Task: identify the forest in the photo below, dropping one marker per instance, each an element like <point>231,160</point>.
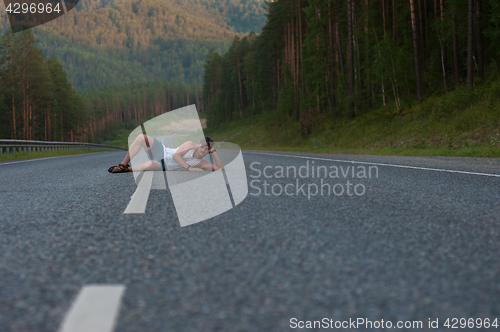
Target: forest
<point>38,102</point>
<point>319,59</point>
<point>110,42</point>
<point>109,65</point>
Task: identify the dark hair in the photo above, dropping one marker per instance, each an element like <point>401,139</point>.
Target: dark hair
<point>205,140</point>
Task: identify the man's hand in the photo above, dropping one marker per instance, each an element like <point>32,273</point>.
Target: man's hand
<point>194,169</point>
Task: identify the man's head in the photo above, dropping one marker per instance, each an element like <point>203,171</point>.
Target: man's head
<point>203,146</point>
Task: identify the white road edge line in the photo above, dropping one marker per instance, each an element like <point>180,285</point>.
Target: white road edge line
<point>37,159</point>
<point>378,164</point>
<point>139,199</point>
<point>95,309</point>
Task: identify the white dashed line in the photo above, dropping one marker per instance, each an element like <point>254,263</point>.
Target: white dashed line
<point>139,199</point>
<point>379,164</point>
<point>95,309</point>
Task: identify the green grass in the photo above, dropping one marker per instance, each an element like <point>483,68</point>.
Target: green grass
<point>22,155</point>
<point>120,138</point>
<point>459,123</point>
<point>466,152</point>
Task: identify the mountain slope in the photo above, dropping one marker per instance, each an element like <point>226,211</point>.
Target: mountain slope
<point>135,25</point>
<point>106,42</point>
<point>242,15</point>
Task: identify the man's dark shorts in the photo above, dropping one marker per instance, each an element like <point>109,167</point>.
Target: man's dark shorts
<point>156,151</point>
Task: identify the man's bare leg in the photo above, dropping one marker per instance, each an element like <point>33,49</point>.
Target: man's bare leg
<point>135,147</point>
<point>151,165</point>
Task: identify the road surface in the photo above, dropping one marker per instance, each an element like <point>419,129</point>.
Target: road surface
<point>421,242</point>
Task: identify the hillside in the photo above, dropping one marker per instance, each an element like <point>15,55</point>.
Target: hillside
<point>459,123</point>
<point>362,75</point>
<point>103,43</point>
<point>242,15</point>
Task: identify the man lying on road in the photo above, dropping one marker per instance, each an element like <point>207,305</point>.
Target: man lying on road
<point>188,156</point>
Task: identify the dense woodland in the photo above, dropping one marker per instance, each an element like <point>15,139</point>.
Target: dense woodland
<point>240,15</point>
<point>317,58</point>
<point>90,67</point>
<point>37,101</point>
<point>111,64</point>
<point>114,42</point>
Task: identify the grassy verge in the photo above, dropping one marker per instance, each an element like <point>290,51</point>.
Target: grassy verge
<point>471,152</point>
<point>22,155</point>
<point>459,123</point>
<point>120,138</point>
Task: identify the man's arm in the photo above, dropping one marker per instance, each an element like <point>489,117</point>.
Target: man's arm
<point>206,166</point>
<point>217,160</point>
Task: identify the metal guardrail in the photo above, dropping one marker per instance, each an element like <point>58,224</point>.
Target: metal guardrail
<point>10,146</point>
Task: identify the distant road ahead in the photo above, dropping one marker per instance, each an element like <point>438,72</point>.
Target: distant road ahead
<point>422,241</point>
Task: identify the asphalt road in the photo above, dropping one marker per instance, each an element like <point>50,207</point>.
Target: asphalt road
<point>416,244</point>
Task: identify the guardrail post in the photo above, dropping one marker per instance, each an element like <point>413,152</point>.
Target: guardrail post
<point>1,152</point>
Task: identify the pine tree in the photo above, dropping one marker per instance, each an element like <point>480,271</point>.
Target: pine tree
<point>9,61</point>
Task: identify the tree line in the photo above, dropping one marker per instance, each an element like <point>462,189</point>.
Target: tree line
<point>317,58</point>
<point>37,101</point>
<point>130,105</point>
